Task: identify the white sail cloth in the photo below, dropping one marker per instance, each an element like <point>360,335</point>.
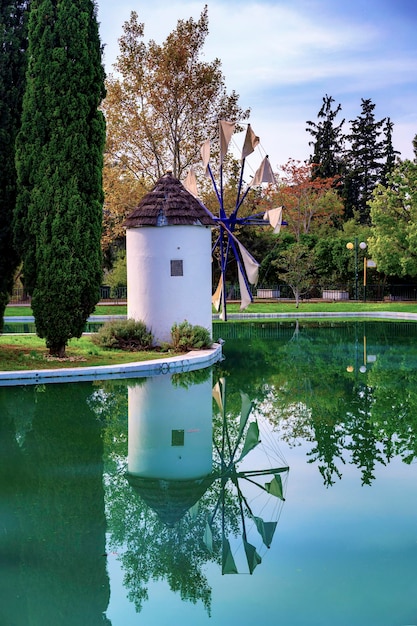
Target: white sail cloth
<point>274,217</point>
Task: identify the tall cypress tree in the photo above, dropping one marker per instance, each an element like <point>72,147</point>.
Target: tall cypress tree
<point>12,75</point>
<point>59,162</point>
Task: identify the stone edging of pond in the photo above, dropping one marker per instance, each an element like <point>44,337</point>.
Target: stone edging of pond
<point>196,359</point>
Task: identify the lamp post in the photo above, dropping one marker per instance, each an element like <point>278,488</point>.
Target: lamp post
<point>355,246</point>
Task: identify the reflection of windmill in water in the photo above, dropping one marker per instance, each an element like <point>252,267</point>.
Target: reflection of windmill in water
<point>258,490</point>
<point>170,444</point>
<point>229,218</point>
<point>171,466</point>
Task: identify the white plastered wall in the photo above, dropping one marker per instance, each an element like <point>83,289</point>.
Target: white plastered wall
<point>159,299</point>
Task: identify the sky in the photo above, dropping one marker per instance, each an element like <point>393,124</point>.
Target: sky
<point>283,56</point>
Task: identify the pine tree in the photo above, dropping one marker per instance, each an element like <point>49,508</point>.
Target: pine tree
<point>364,162</point>
<point>59,162</point>
<point>390,154</point>
<point>12,73</point>
<point>328,141</point>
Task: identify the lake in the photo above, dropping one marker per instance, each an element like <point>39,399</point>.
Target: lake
<point>279,487</point>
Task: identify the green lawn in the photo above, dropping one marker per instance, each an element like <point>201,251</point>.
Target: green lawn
<point>324,307</point>
<point>27,352</point>
<point>105,309</point>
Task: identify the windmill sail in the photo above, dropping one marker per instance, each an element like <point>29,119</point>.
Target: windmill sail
<point>190,183</point>
<point>245,294</point>
<point>205,156</point>
<point>228,562</point>
<point>251,265</point>
<point>218,394</point>
<point>250,143</point>
<point>226,131</point>
<point>216,298</point>
<point>265,529</point>
<point>264,174</point>
<point>252,556</point>
<point>245,411</point>
<point>274,217</point>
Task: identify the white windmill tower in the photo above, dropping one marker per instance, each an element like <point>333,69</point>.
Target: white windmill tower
<point>168,242</point>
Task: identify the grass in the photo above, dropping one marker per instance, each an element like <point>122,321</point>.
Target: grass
<point>28,352</point>
<point>101,309</point>
<point>263,307</point>
<point>324,307</point>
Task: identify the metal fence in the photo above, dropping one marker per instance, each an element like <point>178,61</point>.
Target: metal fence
<point>377,292</point>
<point>108,294</point>
<point>113,294</point>
<point>373,293</point>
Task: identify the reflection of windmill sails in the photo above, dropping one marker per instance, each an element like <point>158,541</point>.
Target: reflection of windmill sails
<point>226,242</point>
<point>234,462</point>
<point>171,467</point>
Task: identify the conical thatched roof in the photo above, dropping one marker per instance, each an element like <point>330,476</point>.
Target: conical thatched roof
<point>168,204</point>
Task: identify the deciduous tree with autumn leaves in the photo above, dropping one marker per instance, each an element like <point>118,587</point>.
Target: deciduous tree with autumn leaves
<point>312,206</point>
<point>162,103</point>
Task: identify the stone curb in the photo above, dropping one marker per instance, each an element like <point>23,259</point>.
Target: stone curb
<point>197,359</point>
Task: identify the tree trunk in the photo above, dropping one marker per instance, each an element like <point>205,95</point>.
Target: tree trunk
<point>58,350</point>
<point>297,298</point>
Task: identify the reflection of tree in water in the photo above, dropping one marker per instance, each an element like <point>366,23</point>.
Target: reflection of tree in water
<point>393,379</point>
<point>171,536</point>
<point>349,430</point>
<point>13,605</point>
<point>51,490</point>
<point>152,551</point>
<point>363,416</point>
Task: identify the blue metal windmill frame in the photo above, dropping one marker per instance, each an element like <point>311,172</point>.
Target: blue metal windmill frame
<point>226,240</point>
<point>227,225</point>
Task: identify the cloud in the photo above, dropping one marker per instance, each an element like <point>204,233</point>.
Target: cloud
<point>282,58</point>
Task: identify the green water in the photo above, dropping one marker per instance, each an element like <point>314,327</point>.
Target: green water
<point>131,502</point>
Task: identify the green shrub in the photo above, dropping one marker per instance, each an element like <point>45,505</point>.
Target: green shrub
<point>187,337</point>
<point>124,334</point>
